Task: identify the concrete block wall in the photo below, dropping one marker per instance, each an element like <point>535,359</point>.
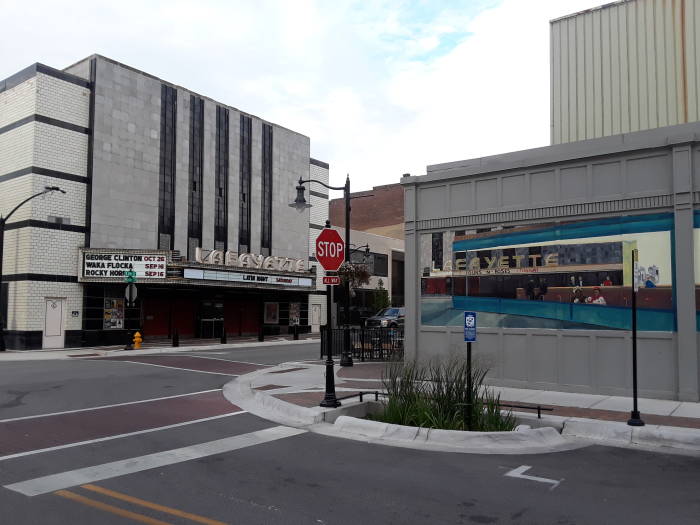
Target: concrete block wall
<point>318,213</point>
<point>126,158</point>
<point>290,162</point>
<point>127,166</point>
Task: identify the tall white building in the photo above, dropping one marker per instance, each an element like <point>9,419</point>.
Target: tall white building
<point>189,193</point>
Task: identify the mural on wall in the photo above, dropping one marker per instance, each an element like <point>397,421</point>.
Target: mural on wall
<point>575,275</point>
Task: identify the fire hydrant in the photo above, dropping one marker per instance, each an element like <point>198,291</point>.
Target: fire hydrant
<point>137,340</point>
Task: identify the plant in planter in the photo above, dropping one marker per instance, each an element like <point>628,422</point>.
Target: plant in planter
<point>356,274</point>
<point>434,395</point>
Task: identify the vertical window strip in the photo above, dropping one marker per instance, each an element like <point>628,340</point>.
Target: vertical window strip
<point>166,201</point>
<point>196,167</point>
<point>221,197</point>
<point>266,220</point>
<point>246,151</point>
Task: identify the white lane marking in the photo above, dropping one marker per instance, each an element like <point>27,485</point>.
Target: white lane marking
<point>117,436</point>
<point>227,360</point>
<point>71,478</point>
<point>100,407</point>
<point>176,368</point>
<point>520,474</point>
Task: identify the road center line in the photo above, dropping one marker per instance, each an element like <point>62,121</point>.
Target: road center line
<point>117,436</point>
<point>150,505</point>
<point>109,406</point>
<point>71,478</point>
<point>109,508</point>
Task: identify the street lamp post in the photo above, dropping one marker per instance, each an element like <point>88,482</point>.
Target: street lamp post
<point>300,204</point>
<point>3,221</point>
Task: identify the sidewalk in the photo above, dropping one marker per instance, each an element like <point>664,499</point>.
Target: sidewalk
<point>291,393</point>
<point>156,347</point>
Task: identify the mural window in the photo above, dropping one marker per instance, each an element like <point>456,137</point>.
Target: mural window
<point>575,275</point>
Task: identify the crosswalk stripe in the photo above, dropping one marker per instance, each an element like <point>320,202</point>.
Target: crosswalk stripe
<point>71,478</point>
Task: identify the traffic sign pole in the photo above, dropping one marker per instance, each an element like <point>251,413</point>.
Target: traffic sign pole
<point>469,337</point>
<point>327,236</point>
<point>635,419</point>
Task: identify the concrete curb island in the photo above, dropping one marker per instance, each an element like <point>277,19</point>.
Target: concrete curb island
<point>534,436</point>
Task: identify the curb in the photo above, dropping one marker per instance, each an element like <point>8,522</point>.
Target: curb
<point>38,355</point>
<point>240,392</point>
<point>525,441</point>
<point>336,422</point>
<point>623,434</point>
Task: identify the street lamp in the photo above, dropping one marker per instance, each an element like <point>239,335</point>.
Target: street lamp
<point>300,205</point>
<point>3,221</point>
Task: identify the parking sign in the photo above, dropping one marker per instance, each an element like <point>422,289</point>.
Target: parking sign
<point>469,327</point>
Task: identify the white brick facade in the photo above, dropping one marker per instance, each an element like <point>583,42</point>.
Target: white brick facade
<point>62,100</point>
<point>38,257</point>
<point>18,102</point>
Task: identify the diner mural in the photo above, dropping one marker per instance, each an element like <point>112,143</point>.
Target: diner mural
<point>575,275</point>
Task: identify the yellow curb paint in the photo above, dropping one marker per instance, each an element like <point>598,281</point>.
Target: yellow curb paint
<point>150,505</point>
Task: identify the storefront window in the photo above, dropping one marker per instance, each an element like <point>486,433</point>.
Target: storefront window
<point>575,275</point>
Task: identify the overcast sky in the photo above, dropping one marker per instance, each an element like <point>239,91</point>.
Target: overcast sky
<point>381,87</point>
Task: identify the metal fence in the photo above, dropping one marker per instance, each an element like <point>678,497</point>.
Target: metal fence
<point>366,344</point>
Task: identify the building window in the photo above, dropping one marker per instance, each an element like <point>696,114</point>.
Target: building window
<point>245,163</point>
<point>380,265</point>
<point>437,250</point>
<point>221,168</point>
<point>166,191</point>
<point>194,229</point>
<point>266,219</point>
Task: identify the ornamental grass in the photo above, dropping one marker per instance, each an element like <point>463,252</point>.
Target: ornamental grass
<point>435,395</point>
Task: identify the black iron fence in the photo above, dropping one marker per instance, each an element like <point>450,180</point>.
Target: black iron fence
<point>366,344</point>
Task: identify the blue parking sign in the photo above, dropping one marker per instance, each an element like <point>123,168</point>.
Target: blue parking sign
<point>469,327</point>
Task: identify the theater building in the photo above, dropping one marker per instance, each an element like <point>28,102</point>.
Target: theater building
<point>187,194</point>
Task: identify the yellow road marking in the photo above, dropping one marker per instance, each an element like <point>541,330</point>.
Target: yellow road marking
<point>150,505</point>
<point>109,508</point>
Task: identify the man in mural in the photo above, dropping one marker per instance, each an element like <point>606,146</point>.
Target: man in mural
<point>596,298</point>
<point>530,289</point>
<point>578,297</point>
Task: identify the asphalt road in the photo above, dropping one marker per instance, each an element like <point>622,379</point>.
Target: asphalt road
<point>107,465</point>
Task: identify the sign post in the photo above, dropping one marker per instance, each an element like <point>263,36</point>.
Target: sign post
<point>635,420</point>
<point>330,253</point>
<point>469,338</point>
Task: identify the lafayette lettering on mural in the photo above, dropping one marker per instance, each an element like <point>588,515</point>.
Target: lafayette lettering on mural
<point>115,265</point>
<point>248,260</point>
<point>506,262</point>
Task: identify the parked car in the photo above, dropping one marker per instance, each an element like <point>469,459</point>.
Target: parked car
<point>389,317</point>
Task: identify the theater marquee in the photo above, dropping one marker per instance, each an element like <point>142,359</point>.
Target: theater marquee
<point>103,265</point>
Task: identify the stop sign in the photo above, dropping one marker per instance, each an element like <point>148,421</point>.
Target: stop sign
<point>330,249</point>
